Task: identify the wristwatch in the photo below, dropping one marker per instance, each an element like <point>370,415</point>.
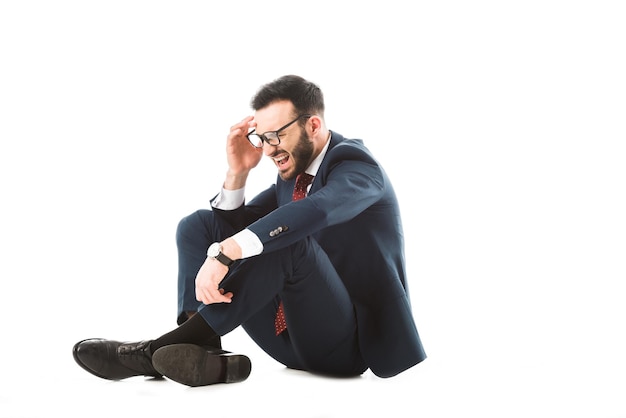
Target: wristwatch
<point>215,251</point>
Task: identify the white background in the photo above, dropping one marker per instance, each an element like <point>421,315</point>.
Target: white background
<point>500,123</point>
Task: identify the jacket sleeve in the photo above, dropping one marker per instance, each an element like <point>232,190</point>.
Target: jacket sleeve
<point>349,181</point>
<point>258,207</point>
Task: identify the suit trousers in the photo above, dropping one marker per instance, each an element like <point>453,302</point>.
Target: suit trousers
<point>322,332</point>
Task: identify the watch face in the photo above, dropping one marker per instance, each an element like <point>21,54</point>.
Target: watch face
<point>214,250</point>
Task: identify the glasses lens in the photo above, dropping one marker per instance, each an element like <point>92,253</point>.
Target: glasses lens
<point>255,140</point>
<point>272,138</point>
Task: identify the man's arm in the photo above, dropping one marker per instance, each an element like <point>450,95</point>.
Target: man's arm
<point>242,157</point>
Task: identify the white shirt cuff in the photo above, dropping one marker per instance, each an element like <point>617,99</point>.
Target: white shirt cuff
<point>249,243</point>
<point>229,199</point>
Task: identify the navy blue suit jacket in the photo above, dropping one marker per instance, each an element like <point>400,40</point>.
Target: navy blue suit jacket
<point>352,212</point>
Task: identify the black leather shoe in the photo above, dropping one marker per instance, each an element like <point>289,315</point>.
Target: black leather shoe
<point>115,360</point>
<point>193,365</point>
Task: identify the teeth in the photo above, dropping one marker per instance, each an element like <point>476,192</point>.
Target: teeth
<point>279,159</point>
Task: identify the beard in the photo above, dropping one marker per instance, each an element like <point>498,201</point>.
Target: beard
<point>302,155</point>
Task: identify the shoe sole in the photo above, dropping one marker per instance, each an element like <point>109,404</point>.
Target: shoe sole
<point>194,366</point>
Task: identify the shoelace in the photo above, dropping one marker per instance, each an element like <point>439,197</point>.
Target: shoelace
<point>136,356</point>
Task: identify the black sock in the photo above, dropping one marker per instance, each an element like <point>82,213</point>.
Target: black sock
<point>193,331</point>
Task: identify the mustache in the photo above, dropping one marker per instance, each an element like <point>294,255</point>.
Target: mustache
<point>277,152</point>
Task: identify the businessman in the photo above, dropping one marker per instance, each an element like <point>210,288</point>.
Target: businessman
<point>313,268</point>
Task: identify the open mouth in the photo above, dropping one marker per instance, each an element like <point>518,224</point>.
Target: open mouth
<point>281,160</point>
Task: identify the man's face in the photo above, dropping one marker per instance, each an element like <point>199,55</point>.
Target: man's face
<point>295,151</point>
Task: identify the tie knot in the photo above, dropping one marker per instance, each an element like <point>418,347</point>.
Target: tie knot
<point>304,178</point>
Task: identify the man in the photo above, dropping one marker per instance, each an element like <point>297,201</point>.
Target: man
<point>314,272</point>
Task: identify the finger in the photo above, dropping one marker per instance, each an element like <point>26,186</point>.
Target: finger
<point>209,296</point>
<point>218,296</point>
<point>205,295</point>
<point>227,296</point>
<point>201,296</point>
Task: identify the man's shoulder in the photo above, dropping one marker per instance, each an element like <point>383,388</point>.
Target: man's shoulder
<point>347,148</point>
<point>337,139</point>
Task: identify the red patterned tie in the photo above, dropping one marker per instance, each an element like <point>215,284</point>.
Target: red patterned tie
<point>299,192</point>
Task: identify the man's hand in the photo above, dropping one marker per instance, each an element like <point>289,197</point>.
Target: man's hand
<point>208,280</point>
<point>240,154</point>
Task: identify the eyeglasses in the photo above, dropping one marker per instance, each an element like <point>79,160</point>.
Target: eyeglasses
<point>271,137</point>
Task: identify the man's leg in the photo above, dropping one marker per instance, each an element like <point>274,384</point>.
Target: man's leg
<point>321,334</point>
<point>194,234</point>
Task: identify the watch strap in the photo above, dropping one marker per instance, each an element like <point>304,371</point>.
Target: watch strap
<point>223,259</point>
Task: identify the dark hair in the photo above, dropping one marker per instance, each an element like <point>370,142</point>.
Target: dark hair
<point>307,98</point>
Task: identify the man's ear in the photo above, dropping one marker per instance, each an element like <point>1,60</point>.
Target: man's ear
<point>316,124</point>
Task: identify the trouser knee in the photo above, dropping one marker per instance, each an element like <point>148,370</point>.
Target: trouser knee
<point>191,226</point>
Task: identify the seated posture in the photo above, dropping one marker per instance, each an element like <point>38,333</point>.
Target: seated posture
<point>312,268</point>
